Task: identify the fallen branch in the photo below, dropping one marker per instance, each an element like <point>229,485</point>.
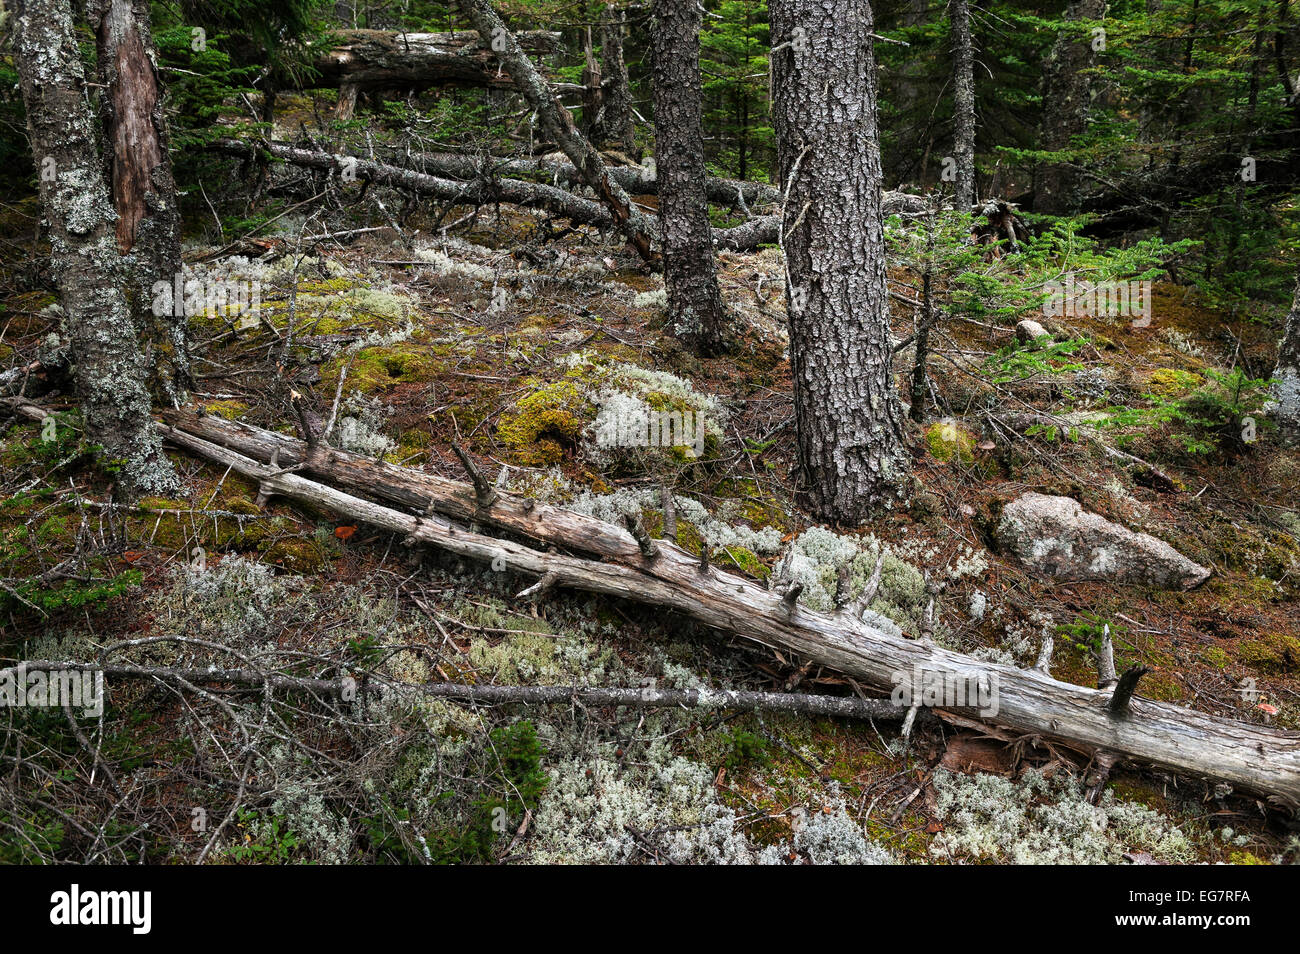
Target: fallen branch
<point>343,688</point>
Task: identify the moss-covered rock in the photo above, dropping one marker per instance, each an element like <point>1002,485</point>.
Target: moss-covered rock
<point>547,425</point>
<point>948,441</point>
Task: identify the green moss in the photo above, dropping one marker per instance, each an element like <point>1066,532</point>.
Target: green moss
<point>382,367</point>
<point>1274,653</point>
<point>162,503</point>
<point>1140,792</point>
<point>299,554</point>
<point>749,562</point>
<point>1162,687</point>
<point>1245,858</point>
<point>1215,656</point>
<point>948,441</point>
<point>547,424</point>
<point>688,537</point>
<point>230,410</point>
<point>1173,382</point>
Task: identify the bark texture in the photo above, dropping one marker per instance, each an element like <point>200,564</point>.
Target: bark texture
<point>695,310</point>
<point>1287,375</point>
<point>619,129</point>
<point>112,370</point>
<point>143,188</point>
<point>852,459</point>
<point>1067,91</point>
<point>963,97</point>
<point>558,126</point>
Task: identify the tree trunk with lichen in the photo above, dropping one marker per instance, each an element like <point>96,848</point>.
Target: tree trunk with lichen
<point>963,98</point>
<point>1287,376</point>
<point>112,371</point>
<point>695,310</point>
<point>1067,91</point>
<point>853,464</point>
<point>143,188</point>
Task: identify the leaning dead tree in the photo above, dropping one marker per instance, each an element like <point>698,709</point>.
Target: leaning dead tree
<point>587,554</point>
<point>558,126</point>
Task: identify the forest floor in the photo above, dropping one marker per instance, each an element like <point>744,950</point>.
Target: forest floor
<point>505,344</point>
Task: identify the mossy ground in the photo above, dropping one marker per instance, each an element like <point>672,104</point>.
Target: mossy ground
<point>451,368</point>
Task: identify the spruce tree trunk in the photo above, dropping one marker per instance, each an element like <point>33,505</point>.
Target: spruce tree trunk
<point>1067,90</point>
<point>619,129</point>
<point>963,85</point>
<point>1287,389</point>
<point>852,459</point>
<point>695,310</point>
<point>142,186</point>
<point>112,370</point>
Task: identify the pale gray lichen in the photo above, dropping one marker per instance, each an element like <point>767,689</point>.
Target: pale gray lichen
<point>1038,820</point>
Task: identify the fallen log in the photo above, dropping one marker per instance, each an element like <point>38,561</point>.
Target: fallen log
<point>1256,758</point>
<point>369,60</point>
<point>636,180</point>
<point>479,191</point>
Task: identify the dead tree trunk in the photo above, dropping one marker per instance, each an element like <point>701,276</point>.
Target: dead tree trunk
<point>1067,90</point>
<point>963,98</point>
<point>143,188</point>
<point>593,97</point>
<point>695,310</point>
<point>852,460</point>
<point>1287,375</point>
<point>557,124</point>
<point>619,129</point>
<point>1257,758</point>
<point>112,369</point>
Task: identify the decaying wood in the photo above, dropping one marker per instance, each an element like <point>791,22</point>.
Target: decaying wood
<point>486,189</point>
<point>1257,758</point>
